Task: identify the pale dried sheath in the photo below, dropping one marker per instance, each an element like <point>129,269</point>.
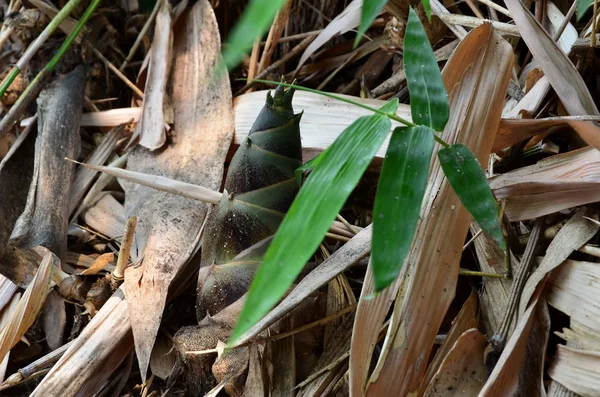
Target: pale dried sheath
<point>150,128</point>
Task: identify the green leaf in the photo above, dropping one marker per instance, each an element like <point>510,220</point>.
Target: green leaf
<point>470,184</point>
<point>398,201</point>
<point>254,22</point>
<point>370,10</point>
<point>427,8</point>
<point>582,7</point>
<point>428,98</point>
<point>320,199</point>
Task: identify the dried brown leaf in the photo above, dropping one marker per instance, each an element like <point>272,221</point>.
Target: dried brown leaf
<point>29,306</point>
<point>84,176</point>
<point>5,316</point>
<point>561,73</point>
<point>99,264</point>
<point>254,381</point>
<point>531,375</point>
<point>467,318</point>
<point>504,378</point>
<point>495,296</point>
<point>162,359</point>
<point>575,233</point>
<point>169,226</point>
<point>463,372</point>
<point>512,131</point>
<point>107,216</point>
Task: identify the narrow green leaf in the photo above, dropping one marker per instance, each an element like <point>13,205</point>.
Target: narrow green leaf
<point>582,7</point>
<point>468,181</point>
<point>310,215</point>
<point>428,98</point>
<point>427,8</point>
<point>398,201</point>
<point>370,10</point>
<point>254,22</point>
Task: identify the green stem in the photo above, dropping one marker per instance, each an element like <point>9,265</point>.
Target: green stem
<point>32,49</point>
<point>9,79</point>
<point>63,48</point>
<point>67,43</point>
<point>391,116</point>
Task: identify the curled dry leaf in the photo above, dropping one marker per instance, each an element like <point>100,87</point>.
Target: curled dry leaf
<point>7,291</point>
<point>575,233</point>
<point>553,184</point>
<point>512,131</point>
<point>495,296</point>
<point>463,372</point>
<point>152,121</point>
<point>577,370</point>
<point>169,226</point>
<point>162,359</point>
<point>476,77</point>
<point>531,102</point>
<point>531,374</point>
<point>85,176</point>
<point>29,306</point>
<point>106,216</point>
<point>5,316</point>
<point>505,377</point>
<point>99,264</point>
<point>346,20</point>
<point>467,318</point>
<point>105,118</point>
<point>570,284</point>
<point>561,73</point>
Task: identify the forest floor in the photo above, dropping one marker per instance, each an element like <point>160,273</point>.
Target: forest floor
<point>106,288</point>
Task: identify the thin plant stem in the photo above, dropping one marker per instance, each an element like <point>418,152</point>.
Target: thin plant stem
<point>391,116</point>
<point>32,49</point>
<point>140,37</point>
<point>27,96</point>
<point>67,43</point>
